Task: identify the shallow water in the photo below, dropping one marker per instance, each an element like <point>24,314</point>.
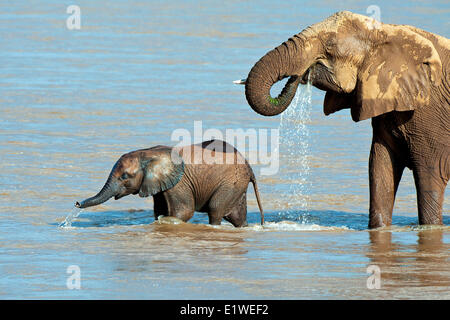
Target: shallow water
<point>71,102</point>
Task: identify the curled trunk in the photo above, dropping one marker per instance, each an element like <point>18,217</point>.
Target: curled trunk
<point>276,65</point>
<point>291,59</point>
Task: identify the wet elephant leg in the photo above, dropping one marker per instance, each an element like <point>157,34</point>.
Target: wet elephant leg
<point>159,205</point>
<point>180,203</point>
<point>385,173</point>
<point>430,195</point>
<point>184,214</point>
<point>215,217</point>
<point>237,216</point>
<point>222,202</point>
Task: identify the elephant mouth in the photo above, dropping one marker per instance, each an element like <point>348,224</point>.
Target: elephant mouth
<point>322,77</point>
<point>126,193</point>
<point>117,197</point>
<point>305,76</point>
<point>312,72</point>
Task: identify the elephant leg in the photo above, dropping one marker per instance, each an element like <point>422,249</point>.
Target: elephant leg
<point>159,205</point>
<point>180,203</point>
<point>184,214</point>
<point>237,216</point>
<point>215,217</point>
<point>223,200</point>
<point>430,195</point>
<point>385,173</point>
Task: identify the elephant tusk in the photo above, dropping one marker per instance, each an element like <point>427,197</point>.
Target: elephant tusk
<point>242,81</point>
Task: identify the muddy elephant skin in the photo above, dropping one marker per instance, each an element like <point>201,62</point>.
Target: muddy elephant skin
<point>209,177</point>
<point>397,75</point>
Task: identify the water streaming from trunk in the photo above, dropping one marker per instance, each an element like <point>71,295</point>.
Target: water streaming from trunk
<point>73,214</point>
<point>294,152</point>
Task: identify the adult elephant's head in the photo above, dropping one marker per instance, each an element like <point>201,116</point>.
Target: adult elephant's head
<point>146,171</point>
<point>362,64</point>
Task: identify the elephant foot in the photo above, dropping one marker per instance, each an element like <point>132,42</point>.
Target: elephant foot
<point>376,220</point>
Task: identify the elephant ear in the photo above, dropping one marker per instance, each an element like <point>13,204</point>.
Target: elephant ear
<point>397,75</point>
<point>162,169</point>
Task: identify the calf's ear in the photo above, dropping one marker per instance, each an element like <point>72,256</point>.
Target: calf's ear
<point>162,169</point>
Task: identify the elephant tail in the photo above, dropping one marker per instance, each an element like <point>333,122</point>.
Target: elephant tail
<point>258,199</point>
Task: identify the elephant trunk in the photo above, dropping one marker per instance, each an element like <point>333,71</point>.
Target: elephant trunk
<point>109,190</point>
<point>276,65</point>
<point>291,59</point>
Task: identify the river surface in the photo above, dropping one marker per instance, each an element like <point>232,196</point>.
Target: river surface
<point>73,101</point>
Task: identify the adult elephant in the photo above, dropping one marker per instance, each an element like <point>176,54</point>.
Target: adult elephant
<point>397,75</point>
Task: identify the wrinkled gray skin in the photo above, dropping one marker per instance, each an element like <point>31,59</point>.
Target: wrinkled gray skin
<point>397,75</point>
<point>181,184</point>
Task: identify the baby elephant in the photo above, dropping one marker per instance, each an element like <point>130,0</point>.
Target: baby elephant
<point>210,177</point>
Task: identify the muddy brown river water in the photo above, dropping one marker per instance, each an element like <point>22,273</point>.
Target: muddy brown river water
<point>73,101</point>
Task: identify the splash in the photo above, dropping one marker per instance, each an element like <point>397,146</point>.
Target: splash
<point>294,151</point>
<point>293,226</point>
<point>169,220</point>
<point>67,223</point>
